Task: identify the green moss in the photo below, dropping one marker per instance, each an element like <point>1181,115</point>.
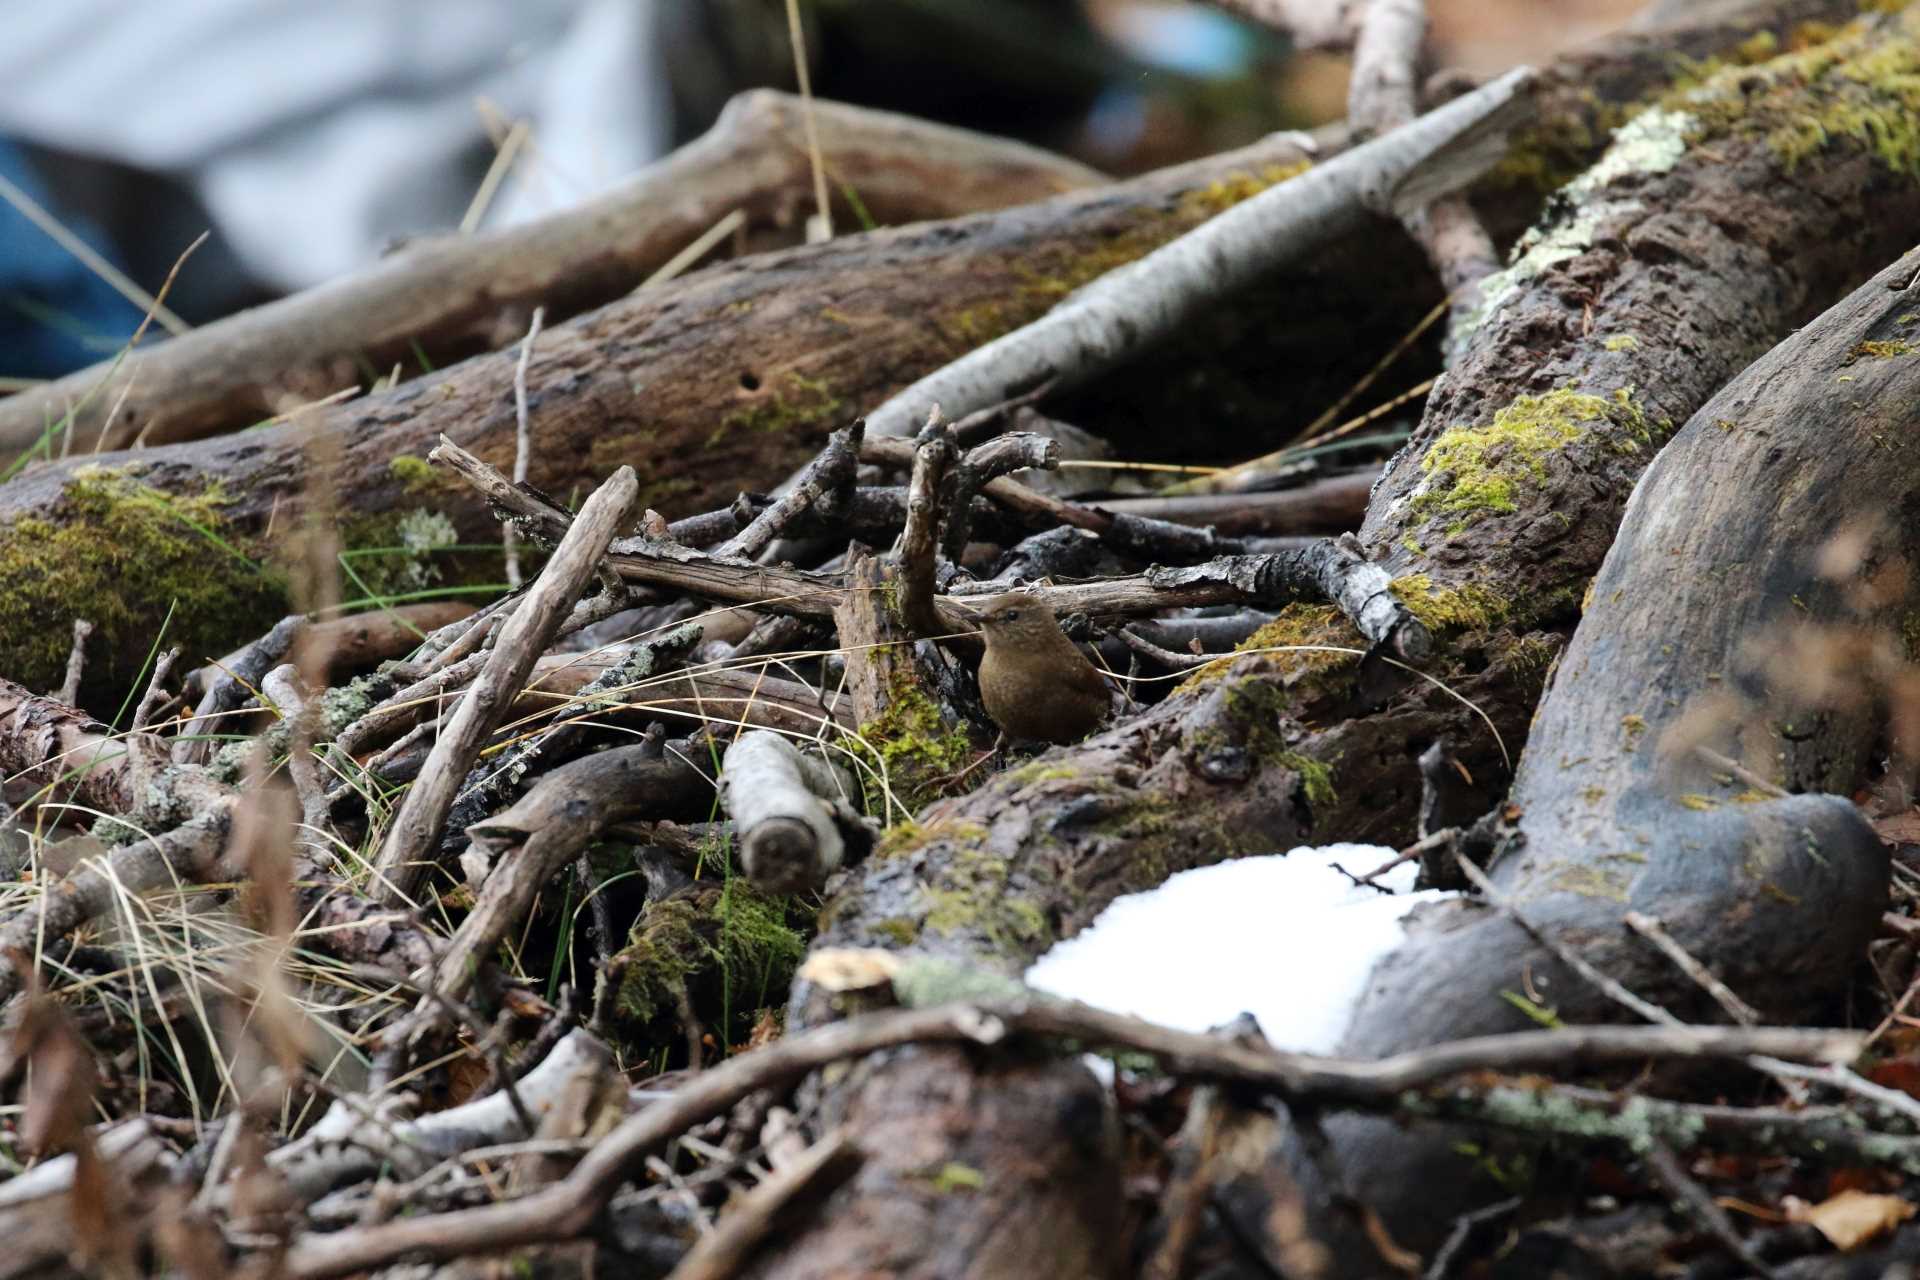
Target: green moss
<point>1856,87</point>
<point>727,946</point>
<point>1316,779</point>
<point>1478,471</point>
<point>1885,350</point>
<point>1310,628</point>
<point>910,834</point>
<point>1035,771</point>
<point>899,930</point>
<point>415,474</point>
<point>1442,609</point>
<point>974,896</point>
<point>123,555</point>
<point>913,750</point>
<point>799,403</point>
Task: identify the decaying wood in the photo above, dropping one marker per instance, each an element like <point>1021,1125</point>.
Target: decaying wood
<point>1738,876</point>
<point>985,1146</point>
<point>542,833</point>
<point>784,809</point>
<point>570,1206</point>
<point>1279,750</point>
<point>445,298</point>
<point>730,374</point>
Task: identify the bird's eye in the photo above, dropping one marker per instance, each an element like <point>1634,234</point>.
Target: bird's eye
<point>1011,615</point>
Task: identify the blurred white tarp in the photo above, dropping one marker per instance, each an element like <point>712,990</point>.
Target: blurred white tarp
<point>317,133</point>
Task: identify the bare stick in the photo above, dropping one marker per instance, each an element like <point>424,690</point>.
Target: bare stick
<point>1672,1177</point>
<point>156,694</point>
<point>781,802</point>
<point>917,543</point>
<point>1650,928</point>
<point>301,713</point>
<point>522,441</point>
<point>1386,58</point>
<point>569,1207</point>
<point>1107,321</point>
<point>69,691</point>
<point>823,486</point>
<point>760,1214</point>
<point>416,828</point>
<point>234,682</point>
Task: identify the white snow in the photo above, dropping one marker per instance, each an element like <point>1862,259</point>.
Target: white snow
<point>1286,938</point>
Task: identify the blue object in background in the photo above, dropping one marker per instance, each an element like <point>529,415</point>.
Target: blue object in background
<point>55,315</point>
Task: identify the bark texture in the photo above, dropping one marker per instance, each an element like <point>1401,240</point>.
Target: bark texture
<point>1700,243</point>
<point>442,299</point>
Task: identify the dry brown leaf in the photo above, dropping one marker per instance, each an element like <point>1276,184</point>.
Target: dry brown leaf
<point>1852,1218</point>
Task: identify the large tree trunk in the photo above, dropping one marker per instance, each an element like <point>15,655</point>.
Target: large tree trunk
<point>1753,605</point>
<point>1694,247</point>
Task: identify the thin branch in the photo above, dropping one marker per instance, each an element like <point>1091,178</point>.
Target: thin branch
<point>522,440</point>
<point>69,691</point>
<point>417,826</point>
<point>569,1207</point>
<point>156,695</point>
<point>1109,320</point>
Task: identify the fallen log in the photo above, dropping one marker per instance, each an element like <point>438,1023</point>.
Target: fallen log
<point>444,298</point>
<point>1735,661</point>
<point>1693,247</point>
<point>730,378</point>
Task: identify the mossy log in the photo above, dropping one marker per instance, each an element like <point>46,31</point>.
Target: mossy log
<point>1747,608</point>
<point>730,378</point>
<point>1693,248</point>
<point>445,298</point>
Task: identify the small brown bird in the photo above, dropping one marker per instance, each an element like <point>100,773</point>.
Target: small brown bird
<point>1035,683</point>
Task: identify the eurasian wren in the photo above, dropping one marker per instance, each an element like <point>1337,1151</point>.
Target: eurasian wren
<point>1034,682</point>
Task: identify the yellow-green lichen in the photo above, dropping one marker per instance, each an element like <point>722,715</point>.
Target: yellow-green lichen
<point>1697,802</point>
<point>1621,342</point>
<point>1442,609</point>
<point>414,473</point>
<point>1480,471</point>
<point>1881,350</point>
<point>124,556</point>
<point>1858,86</point>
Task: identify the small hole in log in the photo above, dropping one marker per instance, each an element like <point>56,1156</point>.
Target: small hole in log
<point>749,382</point>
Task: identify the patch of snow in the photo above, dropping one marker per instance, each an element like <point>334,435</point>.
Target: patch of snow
<point>1286,938</point>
